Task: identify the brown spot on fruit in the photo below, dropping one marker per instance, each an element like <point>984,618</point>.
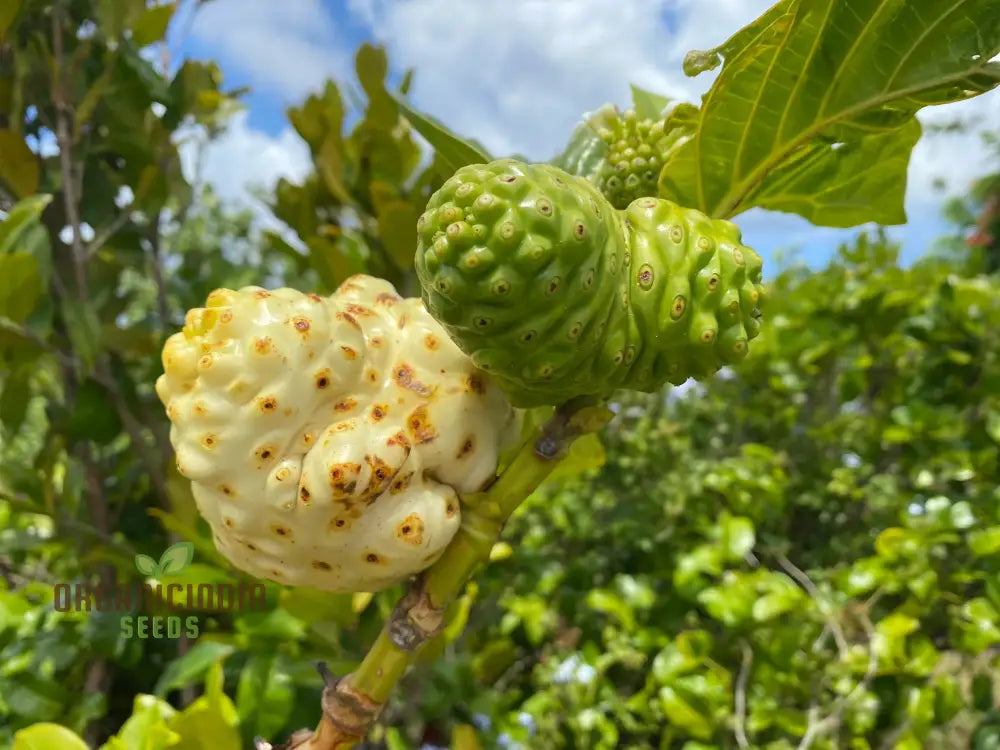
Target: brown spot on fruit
<point>301,324</point>
<point>315,297</point>
<point>401,483</point>
<point>713,282</point>
<point>707,336</point>
<point>345,404</point>
<point>307,439</point>
<point>228,522</point>
<point>250,546</point>
<point>267,404</point>
<point>371,375</point>
<point>283,474</point>
<point>375,342</point>
<point>372,558</point>
<point>321,565</point>
<point>399,439</point>
<point>304,495</point>
<point>359,311</point>
<point>420,426</point>
<point>206,361</point>
<point>467,447</point>
<point>387,298</point>
<point>431,341</point>
<point>338,524</point>
<point>349,319</point>
<point>678,307</point>
<point>209,441</point>
<point>261,294</point>
<point>266,452</point>
<point>404,376</point>
<point>382,474</point>
<point>262,345</point>
<point>450,509</point>
<point>379,411</point>
<point>411,530</point>
<point>322,378</point>
<point>199,408</point>
<point>343,478</point>
<point>344,426</point>
<point>280,530</point>
<point>226,316</point>
<point>226,490</point>
<point>474,384</point>
<point>349,352</point>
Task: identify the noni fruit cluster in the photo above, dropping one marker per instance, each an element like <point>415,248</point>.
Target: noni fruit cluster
<point>632,164</point>
<point>547,286</point>
<point>326,437</point>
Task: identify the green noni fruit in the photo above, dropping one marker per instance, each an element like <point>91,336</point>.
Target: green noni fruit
<point>631,166</point>
<point>544,284</point>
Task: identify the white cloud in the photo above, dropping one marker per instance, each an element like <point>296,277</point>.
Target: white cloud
<point>243,158</point>
<point>289,49</point>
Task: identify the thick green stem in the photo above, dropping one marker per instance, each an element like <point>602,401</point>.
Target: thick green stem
<point>351,704</point>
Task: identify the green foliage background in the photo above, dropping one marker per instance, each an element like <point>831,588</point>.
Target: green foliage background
<point>802,552</point>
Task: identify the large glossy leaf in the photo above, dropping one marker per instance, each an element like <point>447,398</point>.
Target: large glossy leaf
<point>454,151</point>
<point>816,92</point>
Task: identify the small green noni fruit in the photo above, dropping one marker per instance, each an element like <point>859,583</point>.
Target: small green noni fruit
<point>631,167</point>
<point>548,287</point>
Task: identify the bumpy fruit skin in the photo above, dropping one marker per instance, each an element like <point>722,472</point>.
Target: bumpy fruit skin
<point>557,294</point>
<point>326,438</point>
<point>634,158</point>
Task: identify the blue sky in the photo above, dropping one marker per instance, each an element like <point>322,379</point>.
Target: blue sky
<point>517,75</point>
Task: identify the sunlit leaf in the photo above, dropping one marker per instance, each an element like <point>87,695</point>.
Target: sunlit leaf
<point>816,89</point>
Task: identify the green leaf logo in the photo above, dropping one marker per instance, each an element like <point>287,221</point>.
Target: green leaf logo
<point>172,562</point>
<point>176,557</point>
<point>146,565</point>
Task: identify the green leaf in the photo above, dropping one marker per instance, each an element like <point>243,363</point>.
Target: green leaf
<point>992,421</point>
<point>770,606</point>
<point>397,229</point>
<point>204,727</point>
<point>192,666</point>
<point>21,217</point>
<point>372,65</point>
<point>47,736</point>
<point>19,168</point>
<point>648,105</point>
<point>20,285</point>
<point>176,557</point>
<point>8,12</point>
<point>264,694</point>
<point>682,714</point>
<point>738,536</point>
<point>146,565</point>
<point>146,728</point>
<point>152,25</point>
<point>584,154</point>
<point>818,88</point>
<point>984,542</point>
<point>116,16</point>
<point>454,151</point>
<point>84,329</point>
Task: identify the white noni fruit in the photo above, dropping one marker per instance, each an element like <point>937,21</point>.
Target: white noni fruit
<point>326,438</point>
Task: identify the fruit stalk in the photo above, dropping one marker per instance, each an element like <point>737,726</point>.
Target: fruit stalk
<point>352,704</point>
